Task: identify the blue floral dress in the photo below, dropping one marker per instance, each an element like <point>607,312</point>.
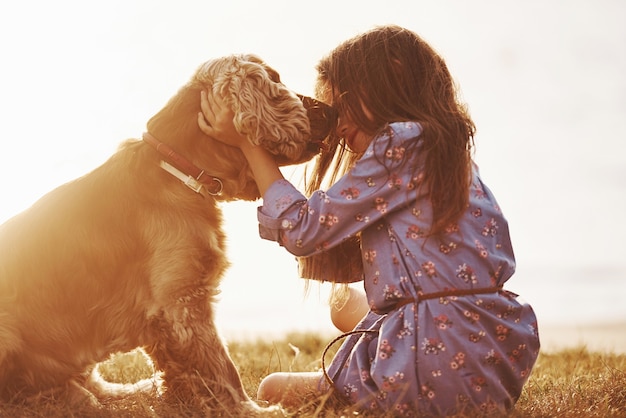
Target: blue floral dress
<point>443,334</point>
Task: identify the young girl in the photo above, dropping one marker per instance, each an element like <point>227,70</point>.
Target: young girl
<point>441,336</point>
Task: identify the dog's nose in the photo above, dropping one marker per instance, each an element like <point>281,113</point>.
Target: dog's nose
<point>321,116</point>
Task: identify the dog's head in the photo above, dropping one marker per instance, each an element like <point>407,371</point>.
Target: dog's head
<point>266,111</point>
<point>291,126</point>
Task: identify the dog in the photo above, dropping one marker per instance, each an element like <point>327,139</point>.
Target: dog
<point>131,254</point>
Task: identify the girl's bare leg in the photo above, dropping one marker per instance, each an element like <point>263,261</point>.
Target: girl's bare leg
<point>346,316</point>
<point>291,389</point>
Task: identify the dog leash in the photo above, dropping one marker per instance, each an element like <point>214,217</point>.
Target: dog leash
<point>329,380</point>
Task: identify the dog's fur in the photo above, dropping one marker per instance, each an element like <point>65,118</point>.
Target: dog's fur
<point>127,256</point>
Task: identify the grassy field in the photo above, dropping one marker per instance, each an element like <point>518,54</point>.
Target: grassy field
<point>565,383</point>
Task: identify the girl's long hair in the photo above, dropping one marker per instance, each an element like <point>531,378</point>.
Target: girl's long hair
<point>397,77</point>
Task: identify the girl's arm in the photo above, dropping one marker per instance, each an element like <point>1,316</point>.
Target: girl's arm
<point>264,168</point>
<point>216,120</point>
<point>385,179</point>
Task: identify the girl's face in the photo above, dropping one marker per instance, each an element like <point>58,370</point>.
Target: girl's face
<point>356,139</point>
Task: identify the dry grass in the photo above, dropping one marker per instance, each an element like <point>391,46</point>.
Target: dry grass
<point>568,383</point>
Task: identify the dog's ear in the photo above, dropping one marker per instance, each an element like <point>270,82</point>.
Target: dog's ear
<point>251,91</point>
<point>267,112</point>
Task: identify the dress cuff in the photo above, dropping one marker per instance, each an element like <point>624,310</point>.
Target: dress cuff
<point>278,198</point>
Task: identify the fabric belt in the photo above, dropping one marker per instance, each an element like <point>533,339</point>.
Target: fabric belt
<point>446,293</point>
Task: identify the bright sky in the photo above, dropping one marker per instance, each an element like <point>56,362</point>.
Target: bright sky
<point>544,82</point>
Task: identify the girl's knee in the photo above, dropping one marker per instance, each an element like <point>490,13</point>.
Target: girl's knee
<point>348,314</point>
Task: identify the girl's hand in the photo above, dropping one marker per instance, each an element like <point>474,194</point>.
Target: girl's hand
<point>216,120</point>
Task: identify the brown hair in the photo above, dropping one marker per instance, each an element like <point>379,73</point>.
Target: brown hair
<point>399,77</point>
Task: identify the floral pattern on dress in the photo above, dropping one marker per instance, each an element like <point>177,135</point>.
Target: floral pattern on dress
<point>443,353</point>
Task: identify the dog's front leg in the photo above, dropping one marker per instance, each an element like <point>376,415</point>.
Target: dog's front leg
<point>196,365</point>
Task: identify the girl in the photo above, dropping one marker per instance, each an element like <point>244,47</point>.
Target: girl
<point>441,336</point>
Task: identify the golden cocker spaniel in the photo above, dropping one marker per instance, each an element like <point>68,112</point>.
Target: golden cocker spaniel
<point>131,254</point>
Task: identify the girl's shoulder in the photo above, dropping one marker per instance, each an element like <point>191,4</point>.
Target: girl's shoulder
<point>396,134</point>
<point>396,142</point>
<point>402,130</point>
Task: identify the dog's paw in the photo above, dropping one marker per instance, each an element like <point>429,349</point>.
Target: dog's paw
<point>77,395</point>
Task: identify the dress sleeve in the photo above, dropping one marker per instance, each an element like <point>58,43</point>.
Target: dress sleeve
<point>382,181</point>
